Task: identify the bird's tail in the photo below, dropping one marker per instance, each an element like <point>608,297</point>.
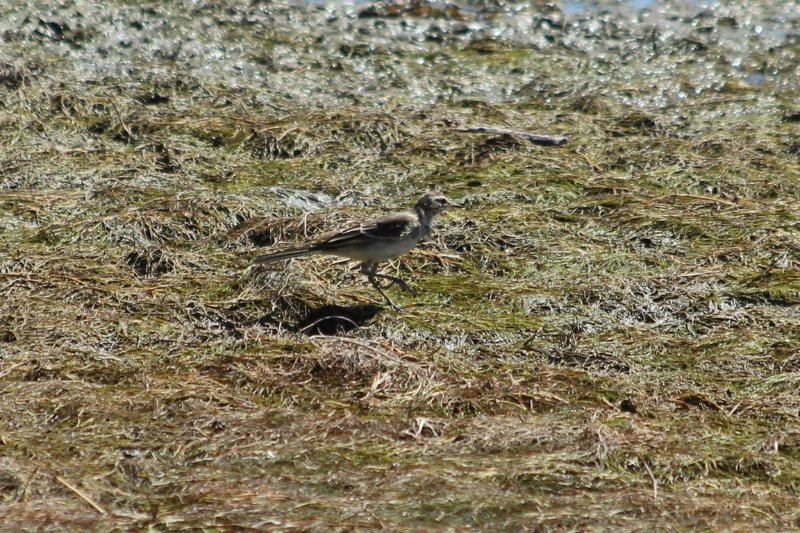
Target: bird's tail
<point>285,254</point>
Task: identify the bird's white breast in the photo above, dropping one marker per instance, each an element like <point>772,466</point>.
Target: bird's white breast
<point>376,251</point>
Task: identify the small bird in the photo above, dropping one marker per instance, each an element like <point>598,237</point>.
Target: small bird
<point>374,241</point>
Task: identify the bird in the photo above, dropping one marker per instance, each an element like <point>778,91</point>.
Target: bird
<point>374,241</point>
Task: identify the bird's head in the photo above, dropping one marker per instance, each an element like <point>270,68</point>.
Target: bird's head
<point>432,203</point>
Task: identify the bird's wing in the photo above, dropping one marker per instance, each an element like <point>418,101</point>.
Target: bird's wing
<point>390,228</point>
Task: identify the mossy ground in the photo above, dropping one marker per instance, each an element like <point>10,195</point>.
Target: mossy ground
<point>606,337</point>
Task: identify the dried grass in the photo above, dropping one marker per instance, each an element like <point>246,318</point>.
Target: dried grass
<point>605,338</point>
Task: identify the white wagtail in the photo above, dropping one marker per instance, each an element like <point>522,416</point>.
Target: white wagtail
<point>374,241</point>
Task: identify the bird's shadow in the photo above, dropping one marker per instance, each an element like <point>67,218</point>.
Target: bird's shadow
<point>332,319</point>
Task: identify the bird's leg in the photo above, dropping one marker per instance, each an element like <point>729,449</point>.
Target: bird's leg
<point>369,270</point>
<point>394,281</point>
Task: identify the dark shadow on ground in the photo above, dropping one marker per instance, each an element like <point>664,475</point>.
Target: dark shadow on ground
<point>336,319</point>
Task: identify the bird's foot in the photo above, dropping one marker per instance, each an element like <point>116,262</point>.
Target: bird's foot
<point>374,281</point>
<point>394,306</point>
<point>392,280</point>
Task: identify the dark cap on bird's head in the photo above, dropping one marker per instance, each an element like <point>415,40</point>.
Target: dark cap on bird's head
<point>432,203</point>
